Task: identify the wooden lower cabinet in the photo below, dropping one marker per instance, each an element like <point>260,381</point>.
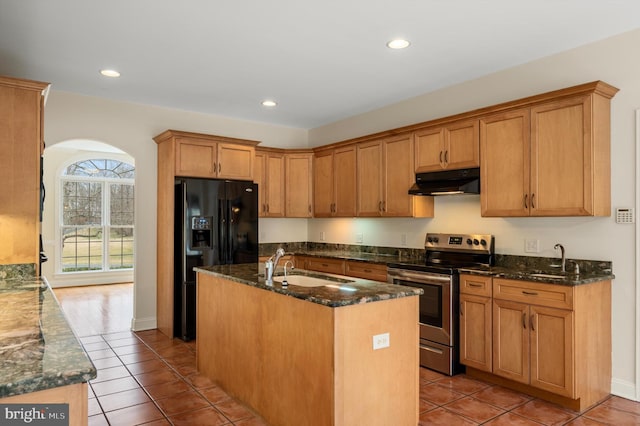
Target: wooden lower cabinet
<point>550,341</point>
<point>324,264</point>
<point>475,322</point>
<point>350,268</point>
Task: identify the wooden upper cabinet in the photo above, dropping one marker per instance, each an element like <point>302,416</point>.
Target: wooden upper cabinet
<point>563,151</point>
<point>299,184</point>
<point>370,178</point>
<point>334,182</point>
<point>208,156</point>
<point>195,158</point>
<point>550,159</point>
<point>269,174</point>
<point>385,174</point>
<point>450,147</point>
<point>21,117</point>
<point>505,165</point>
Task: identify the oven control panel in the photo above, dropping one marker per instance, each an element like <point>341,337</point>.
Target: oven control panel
<point>482,243</point>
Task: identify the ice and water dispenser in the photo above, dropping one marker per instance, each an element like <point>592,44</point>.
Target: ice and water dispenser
<point>201,232</point>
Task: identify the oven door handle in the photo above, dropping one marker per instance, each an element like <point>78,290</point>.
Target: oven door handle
<point>423,277</point>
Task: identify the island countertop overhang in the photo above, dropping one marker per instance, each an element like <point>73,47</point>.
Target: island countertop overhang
<point>360,290</point>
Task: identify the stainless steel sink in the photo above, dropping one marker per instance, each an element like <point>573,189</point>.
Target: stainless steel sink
<point>306,281</point>
<point>552,276</point>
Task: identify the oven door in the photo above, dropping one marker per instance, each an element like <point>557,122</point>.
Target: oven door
<point>435,304</point>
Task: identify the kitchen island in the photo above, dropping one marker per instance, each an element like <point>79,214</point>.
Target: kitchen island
<point>305,355</point>
<point>41,360</point>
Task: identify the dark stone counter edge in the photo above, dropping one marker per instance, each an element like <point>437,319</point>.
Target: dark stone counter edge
<point>369,291</point>
<point>513,271</point>
<point>81,371</point>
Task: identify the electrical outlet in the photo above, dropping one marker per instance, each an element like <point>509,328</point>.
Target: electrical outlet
<point>321,235</point>
<point>359,237</point>
<point>532,246</point>
<point>403,239</point>
<point>380,341</point>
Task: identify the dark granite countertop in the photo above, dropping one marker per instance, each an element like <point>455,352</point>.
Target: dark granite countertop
<point>508,266</point>
<point>38,349</point>
<point>356,291</point>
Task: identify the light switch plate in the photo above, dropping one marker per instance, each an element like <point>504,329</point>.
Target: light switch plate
<point>380,341</point>
<point>359,238</point>
<point>532,245</point>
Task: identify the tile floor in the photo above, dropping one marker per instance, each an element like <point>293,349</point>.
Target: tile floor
<point>147,378</point>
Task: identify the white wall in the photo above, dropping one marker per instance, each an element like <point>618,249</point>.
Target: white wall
<point>131,128</point>
<point>614,61</point>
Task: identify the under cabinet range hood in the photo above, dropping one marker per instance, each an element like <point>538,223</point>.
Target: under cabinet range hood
<point>448,182</point>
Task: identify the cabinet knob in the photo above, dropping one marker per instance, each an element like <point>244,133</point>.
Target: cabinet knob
<point>446,157</point>
<point>525,201</point>
<point>219,168</point>
<point>533,201</point>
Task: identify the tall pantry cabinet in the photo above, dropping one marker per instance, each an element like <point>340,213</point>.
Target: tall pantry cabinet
<point>21,145</point>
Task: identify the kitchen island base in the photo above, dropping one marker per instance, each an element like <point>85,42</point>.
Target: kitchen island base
<point>295,362</point>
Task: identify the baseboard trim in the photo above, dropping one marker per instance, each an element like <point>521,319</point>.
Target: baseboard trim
<point>140,324</point>
<point>623,389</point>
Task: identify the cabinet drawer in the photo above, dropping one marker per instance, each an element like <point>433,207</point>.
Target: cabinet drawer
<point>369,271</point>
<point>551,295</point>
<point>475,284</point>
<point>331,266</point>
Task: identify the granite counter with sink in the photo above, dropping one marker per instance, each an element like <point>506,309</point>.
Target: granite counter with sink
<point>341,291</point>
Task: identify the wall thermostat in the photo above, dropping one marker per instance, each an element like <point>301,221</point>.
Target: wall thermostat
<point>625,215</point>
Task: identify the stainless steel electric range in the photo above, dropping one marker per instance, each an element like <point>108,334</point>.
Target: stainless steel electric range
<point>438,277</point>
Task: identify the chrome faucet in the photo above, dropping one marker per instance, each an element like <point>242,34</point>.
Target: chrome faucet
<point>284,281</point>
<point>271,264</point>
<point>564,260</point>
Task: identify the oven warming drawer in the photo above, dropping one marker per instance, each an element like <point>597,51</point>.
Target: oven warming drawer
<point>438,357</point>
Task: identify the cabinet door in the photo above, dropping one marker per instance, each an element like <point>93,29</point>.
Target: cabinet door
<point>561,158</point>
<point>259,177</point>
<point>475,331</point>
<point>196,158</point>
<point>323,184</point>
<point>552,350</point>
<point>344,184</point>
<point>429,149</point>
<point>275,192</point>
<point>398,177</point>
<point>511,340</point>
<point>370,177</point>
<point>504,167</point>
<point>20,144</point>
<point>298,185</point>
<point>235,161</point>
<point>462,149</point>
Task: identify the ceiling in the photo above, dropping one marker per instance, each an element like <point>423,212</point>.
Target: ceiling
<point>321,61</point>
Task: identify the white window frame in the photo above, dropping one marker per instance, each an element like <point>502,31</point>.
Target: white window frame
<point>104,276</point>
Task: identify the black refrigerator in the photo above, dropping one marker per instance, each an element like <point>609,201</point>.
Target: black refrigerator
<point>216,223</point>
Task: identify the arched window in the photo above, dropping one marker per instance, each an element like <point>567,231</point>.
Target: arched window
<point>97,216</point>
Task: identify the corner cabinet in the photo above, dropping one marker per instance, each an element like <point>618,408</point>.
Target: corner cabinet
<point>450,147</point>
<point>21,144</point>
<point>551,158</point>
<point>185,154</point>
<point>550,341</point>
<point>385,174</point>
<point>269,175</point>
<point>334,182</point>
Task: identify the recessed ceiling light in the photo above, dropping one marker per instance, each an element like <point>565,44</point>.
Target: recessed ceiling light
<point>269,103</point>
<point>398,44</point>
<point>110,73</point>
